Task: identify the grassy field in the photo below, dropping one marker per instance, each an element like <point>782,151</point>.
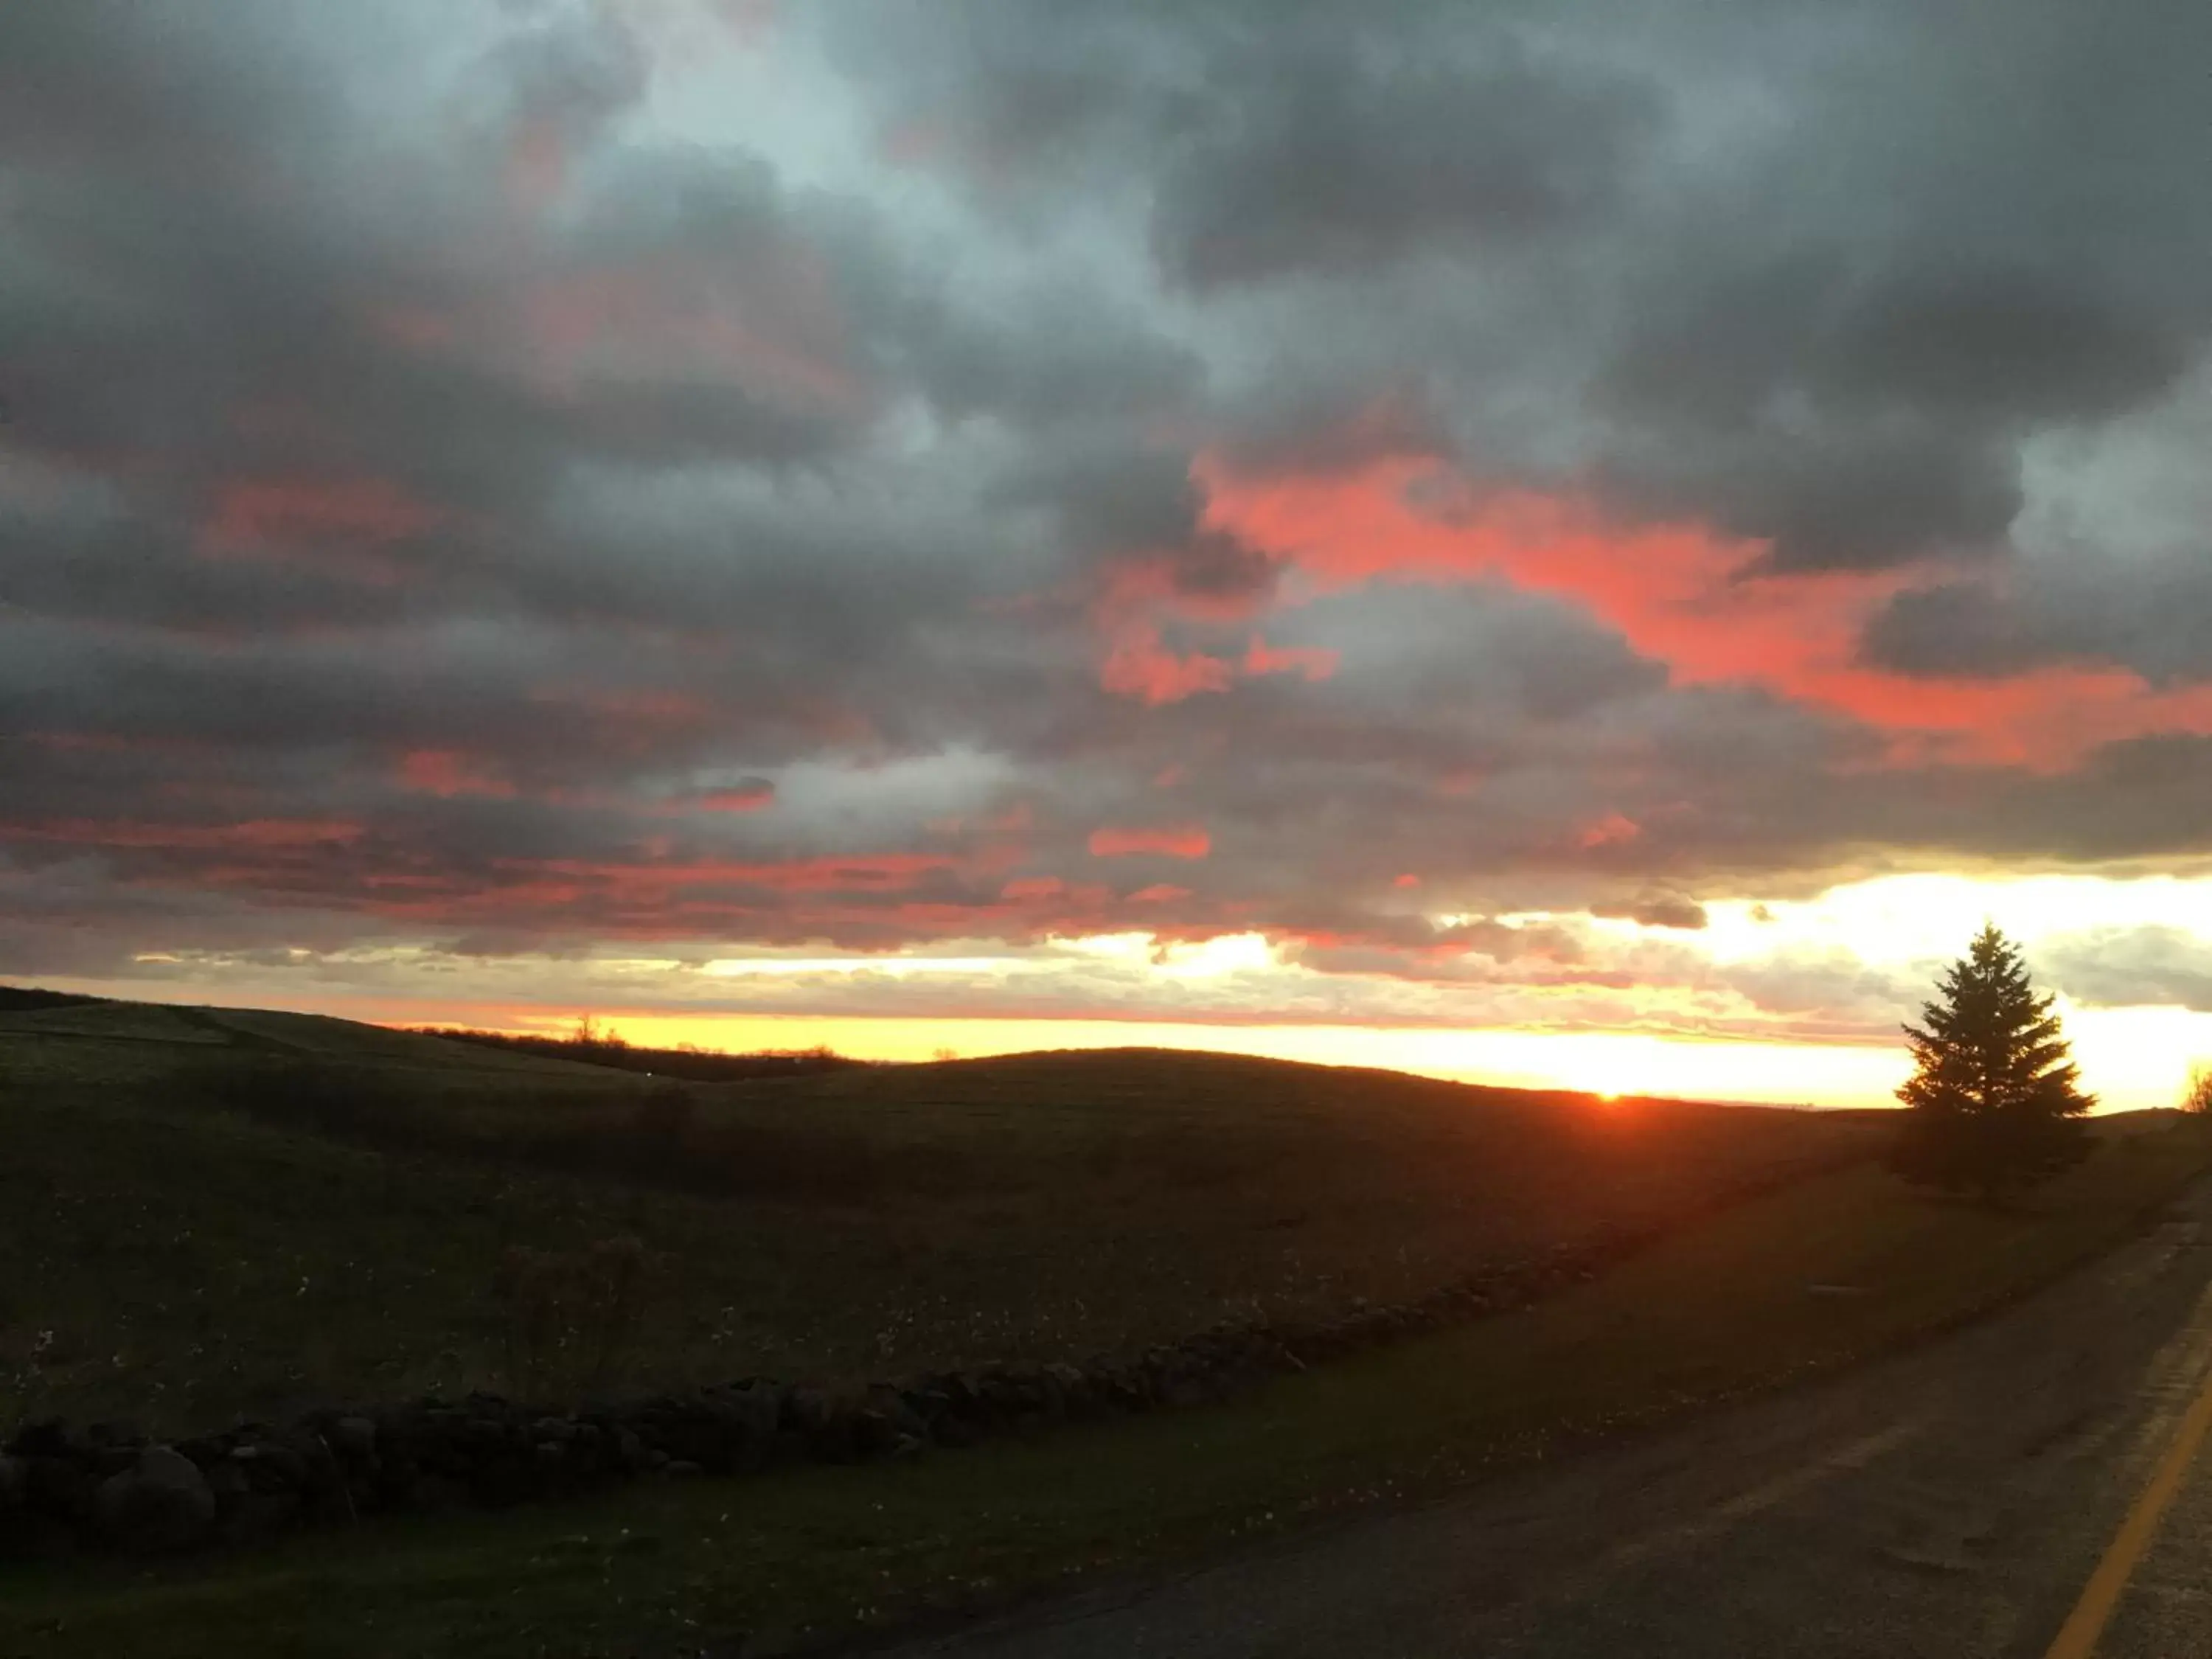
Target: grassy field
<point>681,1568</point>
<point>208,1213</point>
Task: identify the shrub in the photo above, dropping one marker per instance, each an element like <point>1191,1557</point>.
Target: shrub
<point>2197,1096</point>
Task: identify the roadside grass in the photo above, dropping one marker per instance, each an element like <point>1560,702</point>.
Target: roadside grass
<point>211,1213</point>
<point>811,1554</point>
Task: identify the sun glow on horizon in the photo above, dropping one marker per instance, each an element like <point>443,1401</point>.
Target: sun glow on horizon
<point>1788,1001</point>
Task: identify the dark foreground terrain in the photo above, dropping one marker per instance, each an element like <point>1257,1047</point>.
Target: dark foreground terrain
<point>1812,1279</point>
<point>212,1211</point>
<point>1952,1501</point>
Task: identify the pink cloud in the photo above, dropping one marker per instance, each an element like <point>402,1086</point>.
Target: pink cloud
<point>1689,596</point>
<point>1611,830</point>
<point>751,798</point>
<point>1313,662</point>
<point>1139,666</point>
<point>1160,892</point>
<point>448,773</point>
<point>1174,842</point>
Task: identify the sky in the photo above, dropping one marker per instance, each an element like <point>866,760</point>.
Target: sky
<point>1584,544</point>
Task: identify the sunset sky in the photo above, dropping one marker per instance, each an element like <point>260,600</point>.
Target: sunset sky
<point>1569,543</point>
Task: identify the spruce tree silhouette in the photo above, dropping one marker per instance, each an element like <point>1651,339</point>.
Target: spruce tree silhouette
<point>1994,1095</point>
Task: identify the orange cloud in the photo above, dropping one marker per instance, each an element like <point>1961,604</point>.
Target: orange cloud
<point>1139,666</point>
<point>1160,892</point>
<point>1314,662</point>
<point>860,872</point>
<point>1611,830</point>
<point>342,520</point>
<point>750,800</point>
<point>448,772</point>
<point>1138,598</point>
<point>1688,597</point>
<point>261,834</point>
<point>1176,841</point>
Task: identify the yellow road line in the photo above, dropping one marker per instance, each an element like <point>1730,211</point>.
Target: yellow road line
<point>2077,1637</point>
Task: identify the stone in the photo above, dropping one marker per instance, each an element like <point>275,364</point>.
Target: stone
<point>14,1484</point>
<point>759,1406</point>
<point>271,1467</point>
<point>898,1408</point>
<point>48,1438</point>
<point>162,1504</point>
<point>228,1482</point>
<point>353,1436</point>
<point>874,1433</point>
<point>61,1488</point>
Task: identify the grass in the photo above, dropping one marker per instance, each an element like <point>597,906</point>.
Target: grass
<point>209,1213</point>
<point>1718,1310</point>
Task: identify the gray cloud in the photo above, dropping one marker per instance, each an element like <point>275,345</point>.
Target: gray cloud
<point>452,429</point>
<point>2130,967</point>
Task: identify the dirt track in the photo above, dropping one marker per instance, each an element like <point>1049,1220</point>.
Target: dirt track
<point>1952,1501</point>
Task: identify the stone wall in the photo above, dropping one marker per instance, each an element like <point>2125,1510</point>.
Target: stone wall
<point>104,1486</point>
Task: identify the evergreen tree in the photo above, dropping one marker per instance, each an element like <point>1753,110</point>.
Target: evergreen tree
<point>1994,1095</point>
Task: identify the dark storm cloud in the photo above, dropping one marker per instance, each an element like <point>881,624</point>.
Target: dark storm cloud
<point>1336,161</point>
<point>1959,628</point>
<point>2152,614</point>
<point>497,488</point>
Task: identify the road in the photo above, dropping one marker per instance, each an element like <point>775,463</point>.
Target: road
<point>1954,1501</point>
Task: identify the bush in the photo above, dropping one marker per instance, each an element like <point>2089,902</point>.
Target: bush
<point>2197,1096</point>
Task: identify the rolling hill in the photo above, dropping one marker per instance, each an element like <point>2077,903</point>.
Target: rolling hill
<point>218,1211</point>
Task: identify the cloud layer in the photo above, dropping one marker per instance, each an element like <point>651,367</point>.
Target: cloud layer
<point>656,475</point>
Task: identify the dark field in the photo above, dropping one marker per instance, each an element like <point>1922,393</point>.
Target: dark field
<point>779,1563</point>
<point>209,1213</point>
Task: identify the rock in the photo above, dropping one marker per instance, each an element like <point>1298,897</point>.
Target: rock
<point>557,1431</point>
<point>162,1504</point>
<point>682,1469</point>
<point>49,1437</point>
<point>228,1482</point>
<point>271,1467</point>
<point>60,1487</point>
<point>874,1433</point>
<point>14,1484</point>
<point>353,1436</point>
<point>1072,1385</point>
<point>898,1409</point>
<point>258,1515</point>
<point>759,1406</point>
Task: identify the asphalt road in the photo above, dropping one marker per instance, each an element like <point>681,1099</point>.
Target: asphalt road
<point>1952,1502</point>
